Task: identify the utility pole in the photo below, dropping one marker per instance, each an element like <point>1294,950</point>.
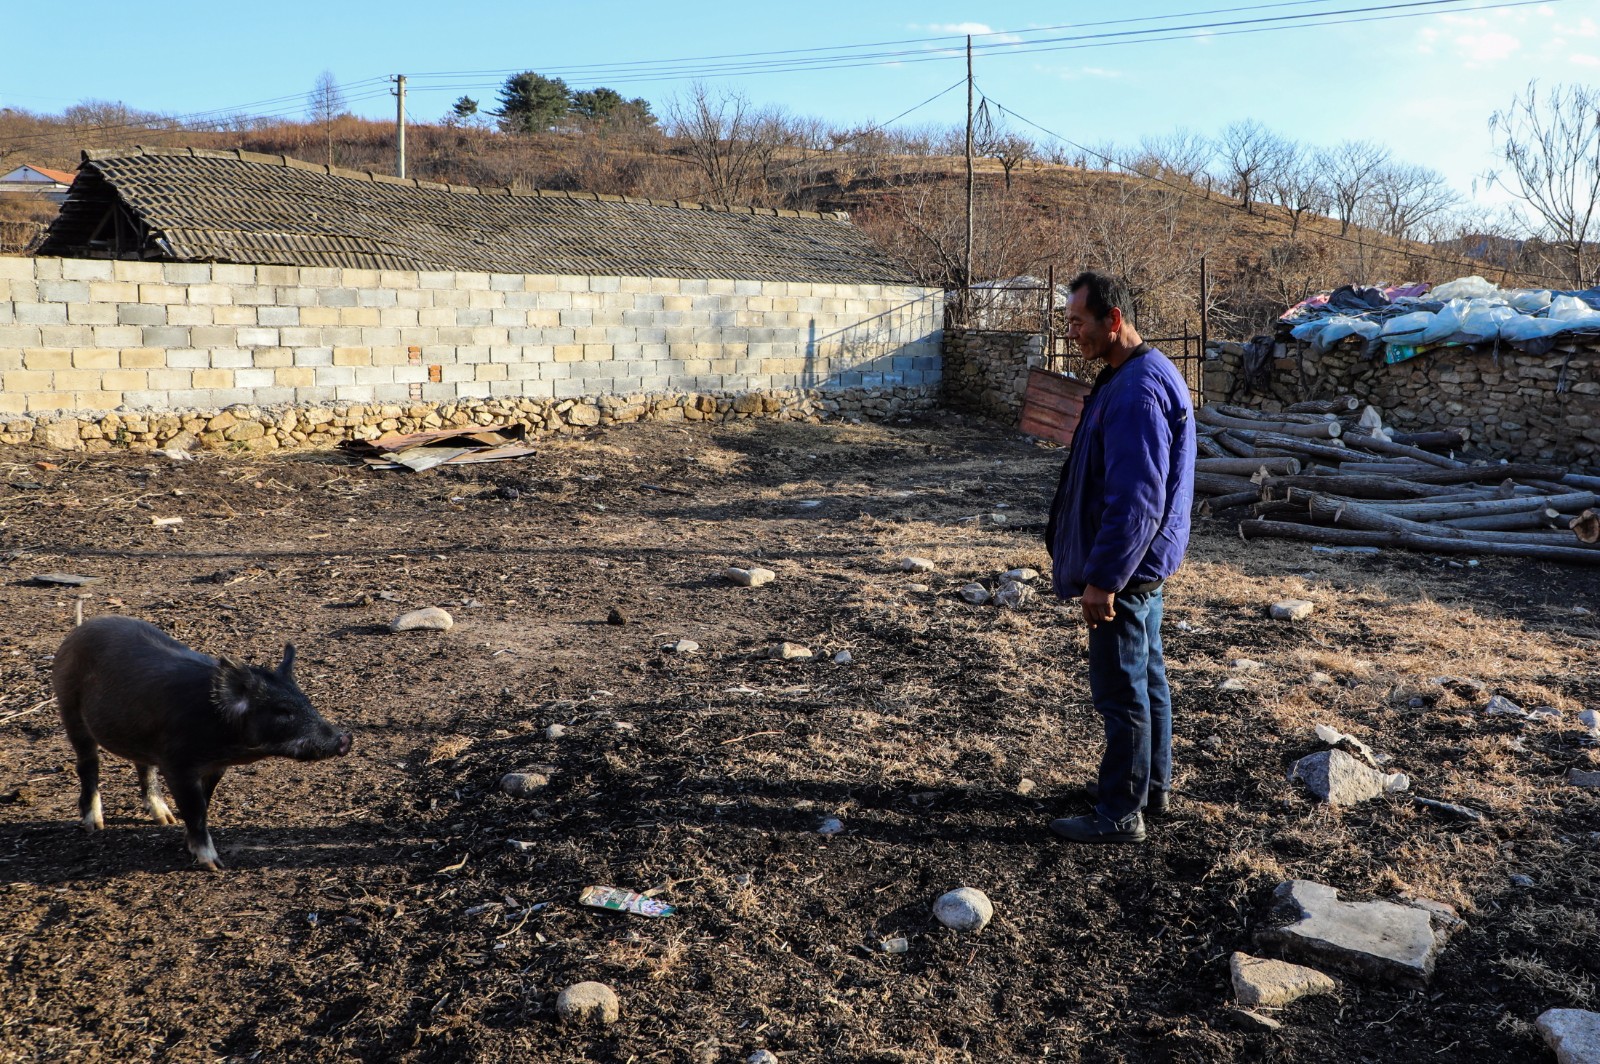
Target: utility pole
<point>400,125</point>
<point>966,280</point>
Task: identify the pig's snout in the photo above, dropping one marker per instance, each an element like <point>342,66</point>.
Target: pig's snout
<point>345,742</point>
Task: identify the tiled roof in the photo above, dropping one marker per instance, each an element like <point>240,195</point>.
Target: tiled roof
<point>60,177</point>
<point>191,204</point>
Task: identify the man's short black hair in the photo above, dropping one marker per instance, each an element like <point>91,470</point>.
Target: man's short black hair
<point>1103,293</point>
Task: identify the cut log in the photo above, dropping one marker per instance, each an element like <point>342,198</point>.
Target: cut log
<point>1545,518</point>
<point>1229,410</point>
<point>1359,487</point>
<point>1435,544</point>
<point>1219,503</point>
<point>1235,445</point>
<point>1207,447</point>
<point>1322,430</point>
<point>1331,451</point>
<point>1575,480</point>
<point>1359,515</point>
<point>1586,526</point>
<point>1221,484</point>
<point>1443,439</point>
<point>1379,445</point>
<point>1247,467</point>
<point>1341,404</point>
<point>1447,509</point>
<point>1494,474</point>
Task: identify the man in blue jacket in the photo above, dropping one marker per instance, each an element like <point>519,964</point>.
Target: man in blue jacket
<point>1118,528</point>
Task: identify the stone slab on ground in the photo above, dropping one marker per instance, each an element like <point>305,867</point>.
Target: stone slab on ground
<point>1574,1034</point>
<point>1259,982</point>
<point>1374,940</point>
<point>1337,778</point>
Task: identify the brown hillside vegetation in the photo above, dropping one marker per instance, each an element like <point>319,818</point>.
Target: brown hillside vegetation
<point>1030,216</point>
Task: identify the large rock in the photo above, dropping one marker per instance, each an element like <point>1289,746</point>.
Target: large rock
<point>757,577</point>
<point>588,1002</point>
<point>1579,778</point>
<point>1337,777</point>
<point>1258,981</point>
<point>1375,940</point>
<point>1291,610</point>
<point>1573,1034</point>
<point>427,619</point>
<point>964,909</point>
<point>62,435</point>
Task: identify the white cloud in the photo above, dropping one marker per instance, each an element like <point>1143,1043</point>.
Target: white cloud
<point>1486,47</point>
<point>1583,60</point>
<point>1101,72</point>
<point>974,28</point>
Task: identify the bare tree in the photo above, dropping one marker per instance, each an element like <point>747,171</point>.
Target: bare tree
<point>1405,196</point>
<point>1251,153</point>
<point>325,103</point>
<point>1349,170</point>
<point>732,144</point>
<point>1296,184</point>
<point>1182,154</point>
<point>1550,151</point>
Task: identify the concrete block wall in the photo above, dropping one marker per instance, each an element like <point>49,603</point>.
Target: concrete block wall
<point>91,335</point>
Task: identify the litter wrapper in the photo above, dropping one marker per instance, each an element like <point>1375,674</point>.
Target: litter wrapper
<point>624,901</point>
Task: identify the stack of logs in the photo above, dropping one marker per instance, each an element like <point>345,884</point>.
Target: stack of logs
<point>1318,472</point>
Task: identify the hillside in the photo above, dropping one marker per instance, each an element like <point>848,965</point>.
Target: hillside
<point>1153,231</point>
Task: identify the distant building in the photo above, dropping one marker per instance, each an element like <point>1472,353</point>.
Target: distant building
<point>36,181</point>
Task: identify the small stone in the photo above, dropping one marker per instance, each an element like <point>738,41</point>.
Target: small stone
<point>519,846</point>
<point>757,577</point>
<point>1321,679</point>
<point>916,565</point>
<point>1292,610</point>
<point>555,731</point>
<point>1025,786</point>
<point>616,616</point>
<point>998,519</point>
<point>1574,1035</point>
<point>1233,683</point>
<point>1021,576</point>
<point>1245,664</point>
<point>831,826</point>
<point>975,593</point>
<point>624,726</point>
<point>1579,778</point>
<point>1273,984</point>
<point>1014,595</point>
<point>920,589</point>
<point>681,646</point>
<point>1591,722</point>
<point>1253,1021</point>
<point>844,657</point>
<point>523,784</point>
<point>588,1002</point>
<point>1501,706</point>
<point>429,618</point>
<point>791,652</point>
<point>964,909</point>
<point>761,1056</point>
<point>1550,713</point>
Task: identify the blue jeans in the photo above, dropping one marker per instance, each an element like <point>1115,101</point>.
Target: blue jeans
<point>1128,680</point>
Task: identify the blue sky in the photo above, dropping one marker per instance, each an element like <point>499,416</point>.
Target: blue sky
<point>1424,86</point>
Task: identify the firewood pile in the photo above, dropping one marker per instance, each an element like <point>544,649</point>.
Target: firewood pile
<point>1321,472</point>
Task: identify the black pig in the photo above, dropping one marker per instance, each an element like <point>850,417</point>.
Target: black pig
<point>127,686</point>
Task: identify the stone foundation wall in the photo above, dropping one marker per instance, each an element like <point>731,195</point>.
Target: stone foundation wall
<point>986,372</point>
<point>255,428</point>
<point>1513,405</point>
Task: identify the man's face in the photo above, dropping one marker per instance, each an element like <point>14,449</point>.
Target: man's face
<point>1093,335</point>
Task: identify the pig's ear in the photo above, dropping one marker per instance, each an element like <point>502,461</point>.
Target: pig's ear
<point>286,670</point>
<point>231,687</point>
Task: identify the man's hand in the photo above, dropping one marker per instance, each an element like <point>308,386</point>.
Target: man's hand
<point>1099,605</point>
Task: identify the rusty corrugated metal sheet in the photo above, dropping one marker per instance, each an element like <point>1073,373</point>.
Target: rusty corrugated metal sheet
<point>1052,405</point>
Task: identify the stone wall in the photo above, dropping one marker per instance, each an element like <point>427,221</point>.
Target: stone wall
<point>93,336</point>
<point>1513,405</point>
<point>986,372</point>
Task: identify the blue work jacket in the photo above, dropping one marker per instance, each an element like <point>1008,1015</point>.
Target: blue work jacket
<point>1121,512</point>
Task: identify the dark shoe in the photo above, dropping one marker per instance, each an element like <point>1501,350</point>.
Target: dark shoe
<point>1156,804</point>
<point>1096,828</point>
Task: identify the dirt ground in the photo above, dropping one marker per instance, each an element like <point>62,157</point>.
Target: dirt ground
<point>371,908</point>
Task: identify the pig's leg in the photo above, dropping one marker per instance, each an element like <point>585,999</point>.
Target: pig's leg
<point>191,792</point>
<point>88,751</point>
<point>150,791</point>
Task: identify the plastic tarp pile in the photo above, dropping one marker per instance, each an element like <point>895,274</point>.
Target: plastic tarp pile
<point>1399,322</point>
